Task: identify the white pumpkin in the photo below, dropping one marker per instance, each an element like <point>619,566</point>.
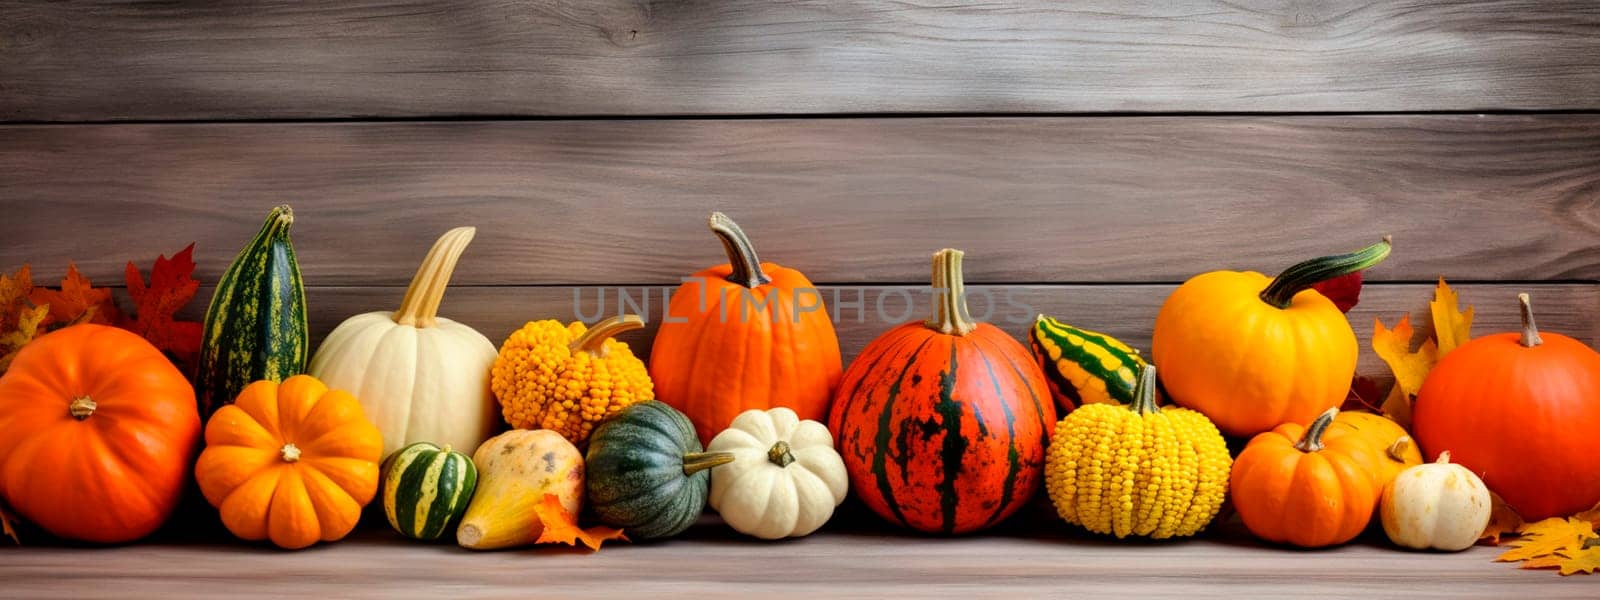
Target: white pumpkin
<point>418,376</point>
<point>1441,506</point>
<point>785,478</point>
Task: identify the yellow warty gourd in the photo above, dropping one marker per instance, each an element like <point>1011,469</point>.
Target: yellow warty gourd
<point>567,378</point>
<point>1139,469</point>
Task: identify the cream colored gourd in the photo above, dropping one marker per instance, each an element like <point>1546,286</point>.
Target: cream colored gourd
<point>785,478</point>
<point>418,376</point>
<point>515,470</point>
<point>1439,506</point>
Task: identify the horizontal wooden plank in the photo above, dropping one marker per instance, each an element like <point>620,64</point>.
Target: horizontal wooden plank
<point>1032,557</point>
<point>92,60</point>
<point>1127,312</point>
<point>1038,200</point>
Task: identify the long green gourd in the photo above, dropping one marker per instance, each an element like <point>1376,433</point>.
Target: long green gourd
<point>255,327</point>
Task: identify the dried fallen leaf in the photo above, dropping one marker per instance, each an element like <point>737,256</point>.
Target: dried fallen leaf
<point>1344,291</point>
<point>6,525</point>
<point>1549,536</point>
<point>27,328</point>
<point>171,287</point>
<point>1581,561</point>
<point>561,527</point>
<point>14,290</point>
<point>1503,520</point>
<point>1592,516</point>
<point>1451,325</point>
<point>1552,561</point>
<point>77,301</point>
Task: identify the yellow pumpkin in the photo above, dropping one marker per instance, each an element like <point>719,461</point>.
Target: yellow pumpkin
<point>292,462</point>
<point>1251,352</point>
<point>1396,450</point>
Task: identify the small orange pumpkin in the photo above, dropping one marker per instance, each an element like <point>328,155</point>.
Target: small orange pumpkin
<point>292,462</point>
<point>1251,352</point>
<point>1307,486</point>
<point>96,432</point>
<point>745,335</point>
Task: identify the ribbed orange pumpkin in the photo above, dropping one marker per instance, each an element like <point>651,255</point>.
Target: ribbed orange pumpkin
<point>96,432</point>
<point>1307,486</point>
<point>744,335</point>
<point>1396,450</point>
<point>292,462</point>
<point>1251,353</point>
<point>943,425</point>
<point>1522,410</point>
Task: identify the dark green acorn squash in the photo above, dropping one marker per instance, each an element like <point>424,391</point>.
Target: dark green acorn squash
<point>646,471</point>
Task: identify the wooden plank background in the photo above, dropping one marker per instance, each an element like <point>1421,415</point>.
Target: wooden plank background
<point>1032,200</point>
<point>97,60</point>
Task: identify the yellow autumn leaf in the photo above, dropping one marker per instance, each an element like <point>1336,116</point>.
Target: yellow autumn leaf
<point>1561,527</point>
<point>1548,537</point>
<point>1550,561</point>
<point>1582,561</point>
<point>1451,325</point>
<point>1394,347</point>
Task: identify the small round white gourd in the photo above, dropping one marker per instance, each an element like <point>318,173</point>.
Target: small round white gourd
<point>419,377</point>
<point>1440,506</point>
<point>785,478</point>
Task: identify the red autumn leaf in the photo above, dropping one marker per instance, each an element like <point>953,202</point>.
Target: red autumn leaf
<point>1344,291</point>
<point>171,287</point>
<point>1364,394</point>
<point>77,301</point>
<point>560,527</point>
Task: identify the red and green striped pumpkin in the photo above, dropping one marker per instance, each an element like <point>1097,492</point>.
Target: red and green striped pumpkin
<point>943,424</point>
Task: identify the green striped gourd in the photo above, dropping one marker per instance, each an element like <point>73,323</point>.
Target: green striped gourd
<point>426,489</point>
<point>1084,367</point>
<point>255,327</point>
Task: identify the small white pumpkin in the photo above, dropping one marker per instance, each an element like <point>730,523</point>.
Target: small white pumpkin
<point>418,376</point>
<point>1441,506</point>
<point>785,478</point>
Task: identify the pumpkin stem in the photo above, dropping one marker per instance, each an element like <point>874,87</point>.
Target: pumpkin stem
<point>420,308</point>
<point>695,462</point>
<point>1312,440</point>
<point>593,341</point>
<point>81,407</point>
<point>290,453</point>
<point>1444,458</point>
<point>780,454</point>
<point>741,253</point>
<point>1144,392</point>
<point>1397,450</point>
<point>950,314</point>
<point>1280,293</point>
<point>1530,331</point>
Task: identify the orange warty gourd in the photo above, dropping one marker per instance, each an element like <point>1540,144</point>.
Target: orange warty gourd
<point>745,335</point>
<point>1522,410</point>
<point>1251,352</point>
<point>943,424</point>
<point>97,429</point>
<point>292,462</point>
<point>1306,486</point>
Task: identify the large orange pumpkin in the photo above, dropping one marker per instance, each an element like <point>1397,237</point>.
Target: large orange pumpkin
<point>744,335</point>
<point>943,424</point>
<point>1522,410</point>
<point>1251,352</point>
<point>292,462</point>
<point>1307,486</point>
<point>96,432</point>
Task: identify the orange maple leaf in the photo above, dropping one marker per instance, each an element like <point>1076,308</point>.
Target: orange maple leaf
<point>1503,520</point>
<point>1592,516</point>
<point>14,290</point>
<point>560,527</point>
<point>1451,325</point>
<point>1410,367</point>
<point>77,301</point>
<point>171,287</point>
<point>1580,561</point>
<point>27,328</point>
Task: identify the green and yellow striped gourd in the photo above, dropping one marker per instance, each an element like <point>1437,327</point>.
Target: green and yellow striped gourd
<point>1084,367</point>
<point>255,327</point>
<point>426,488</point>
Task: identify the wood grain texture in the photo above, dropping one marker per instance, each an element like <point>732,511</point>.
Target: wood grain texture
<point>1038,200</point>
<point>1126,312</point>
<point>1034,557</point>
<point>282,59</point>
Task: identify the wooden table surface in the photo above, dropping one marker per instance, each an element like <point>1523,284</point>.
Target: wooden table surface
<point>1030,557</point>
